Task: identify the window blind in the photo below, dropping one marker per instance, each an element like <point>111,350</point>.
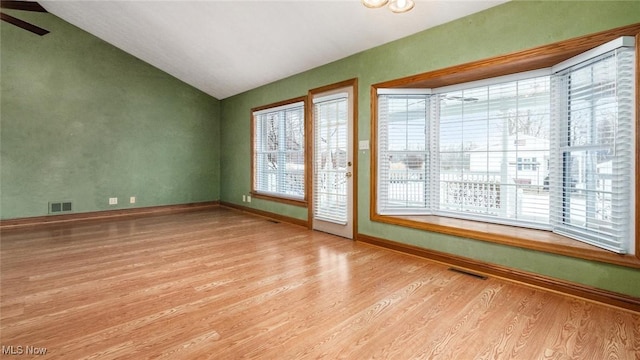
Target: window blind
<point>493,152</point>
<point>403,154</point>
<point>594,157</point>
<point>279,155</point>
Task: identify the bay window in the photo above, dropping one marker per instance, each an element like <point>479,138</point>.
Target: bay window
<point>550,149</point>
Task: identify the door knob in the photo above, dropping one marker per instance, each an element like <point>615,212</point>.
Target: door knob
<point>348,174</point>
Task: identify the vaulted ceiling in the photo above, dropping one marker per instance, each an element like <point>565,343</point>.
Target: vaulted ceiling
<point>225,47</point>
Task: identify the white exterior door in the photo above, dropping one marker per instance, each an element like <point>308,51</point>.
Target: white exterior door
<point>333,162</point>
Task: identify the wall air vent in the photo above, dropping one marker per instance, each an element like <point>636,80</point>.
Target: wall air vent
<point>60,207</point>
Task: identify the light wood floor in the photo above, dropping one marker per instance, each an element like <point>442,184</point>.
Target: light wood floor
<point>220,284</point>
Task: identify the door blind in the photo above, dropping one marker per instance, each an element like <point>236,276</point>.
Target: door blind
<point>330,132</point>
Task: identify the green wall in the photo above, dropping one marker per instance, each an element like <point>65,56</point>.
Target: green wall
<point>507,28</point>
<point>83,121</point>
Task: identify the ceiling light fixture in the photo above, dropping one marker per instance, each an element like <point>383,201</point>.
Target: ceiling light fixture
<point>397,6</point>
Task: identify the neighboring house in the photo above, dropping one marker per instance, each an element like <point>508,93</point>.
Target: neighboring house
<point>526,160</point>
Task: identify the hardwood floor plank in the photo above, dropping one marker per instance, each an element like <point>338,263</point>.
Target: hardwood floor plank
<point>220,284</point>
<point>512,334</point>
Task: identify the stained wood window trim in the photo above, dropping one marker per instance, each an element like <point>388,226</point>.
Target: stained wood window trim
<point>526,60</point>
<point>273,196</point>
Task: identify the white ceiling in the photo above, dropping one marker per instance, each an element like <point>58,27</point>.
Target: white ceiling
<point>225,47</point>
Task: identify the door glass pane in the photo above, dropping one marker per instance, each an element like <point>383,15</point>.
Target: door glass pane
<point>331,120</point>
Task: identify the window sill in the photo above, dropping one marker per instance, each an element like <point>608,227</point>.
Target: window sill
<point>539,240</point>
<point>301,203</point>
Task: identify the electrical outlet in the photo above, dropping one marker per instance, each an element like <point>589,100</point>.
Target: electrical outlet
<point>113,201</point>
<point>132,200</point>
<point>248,198</point>
<point>244,198</point>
